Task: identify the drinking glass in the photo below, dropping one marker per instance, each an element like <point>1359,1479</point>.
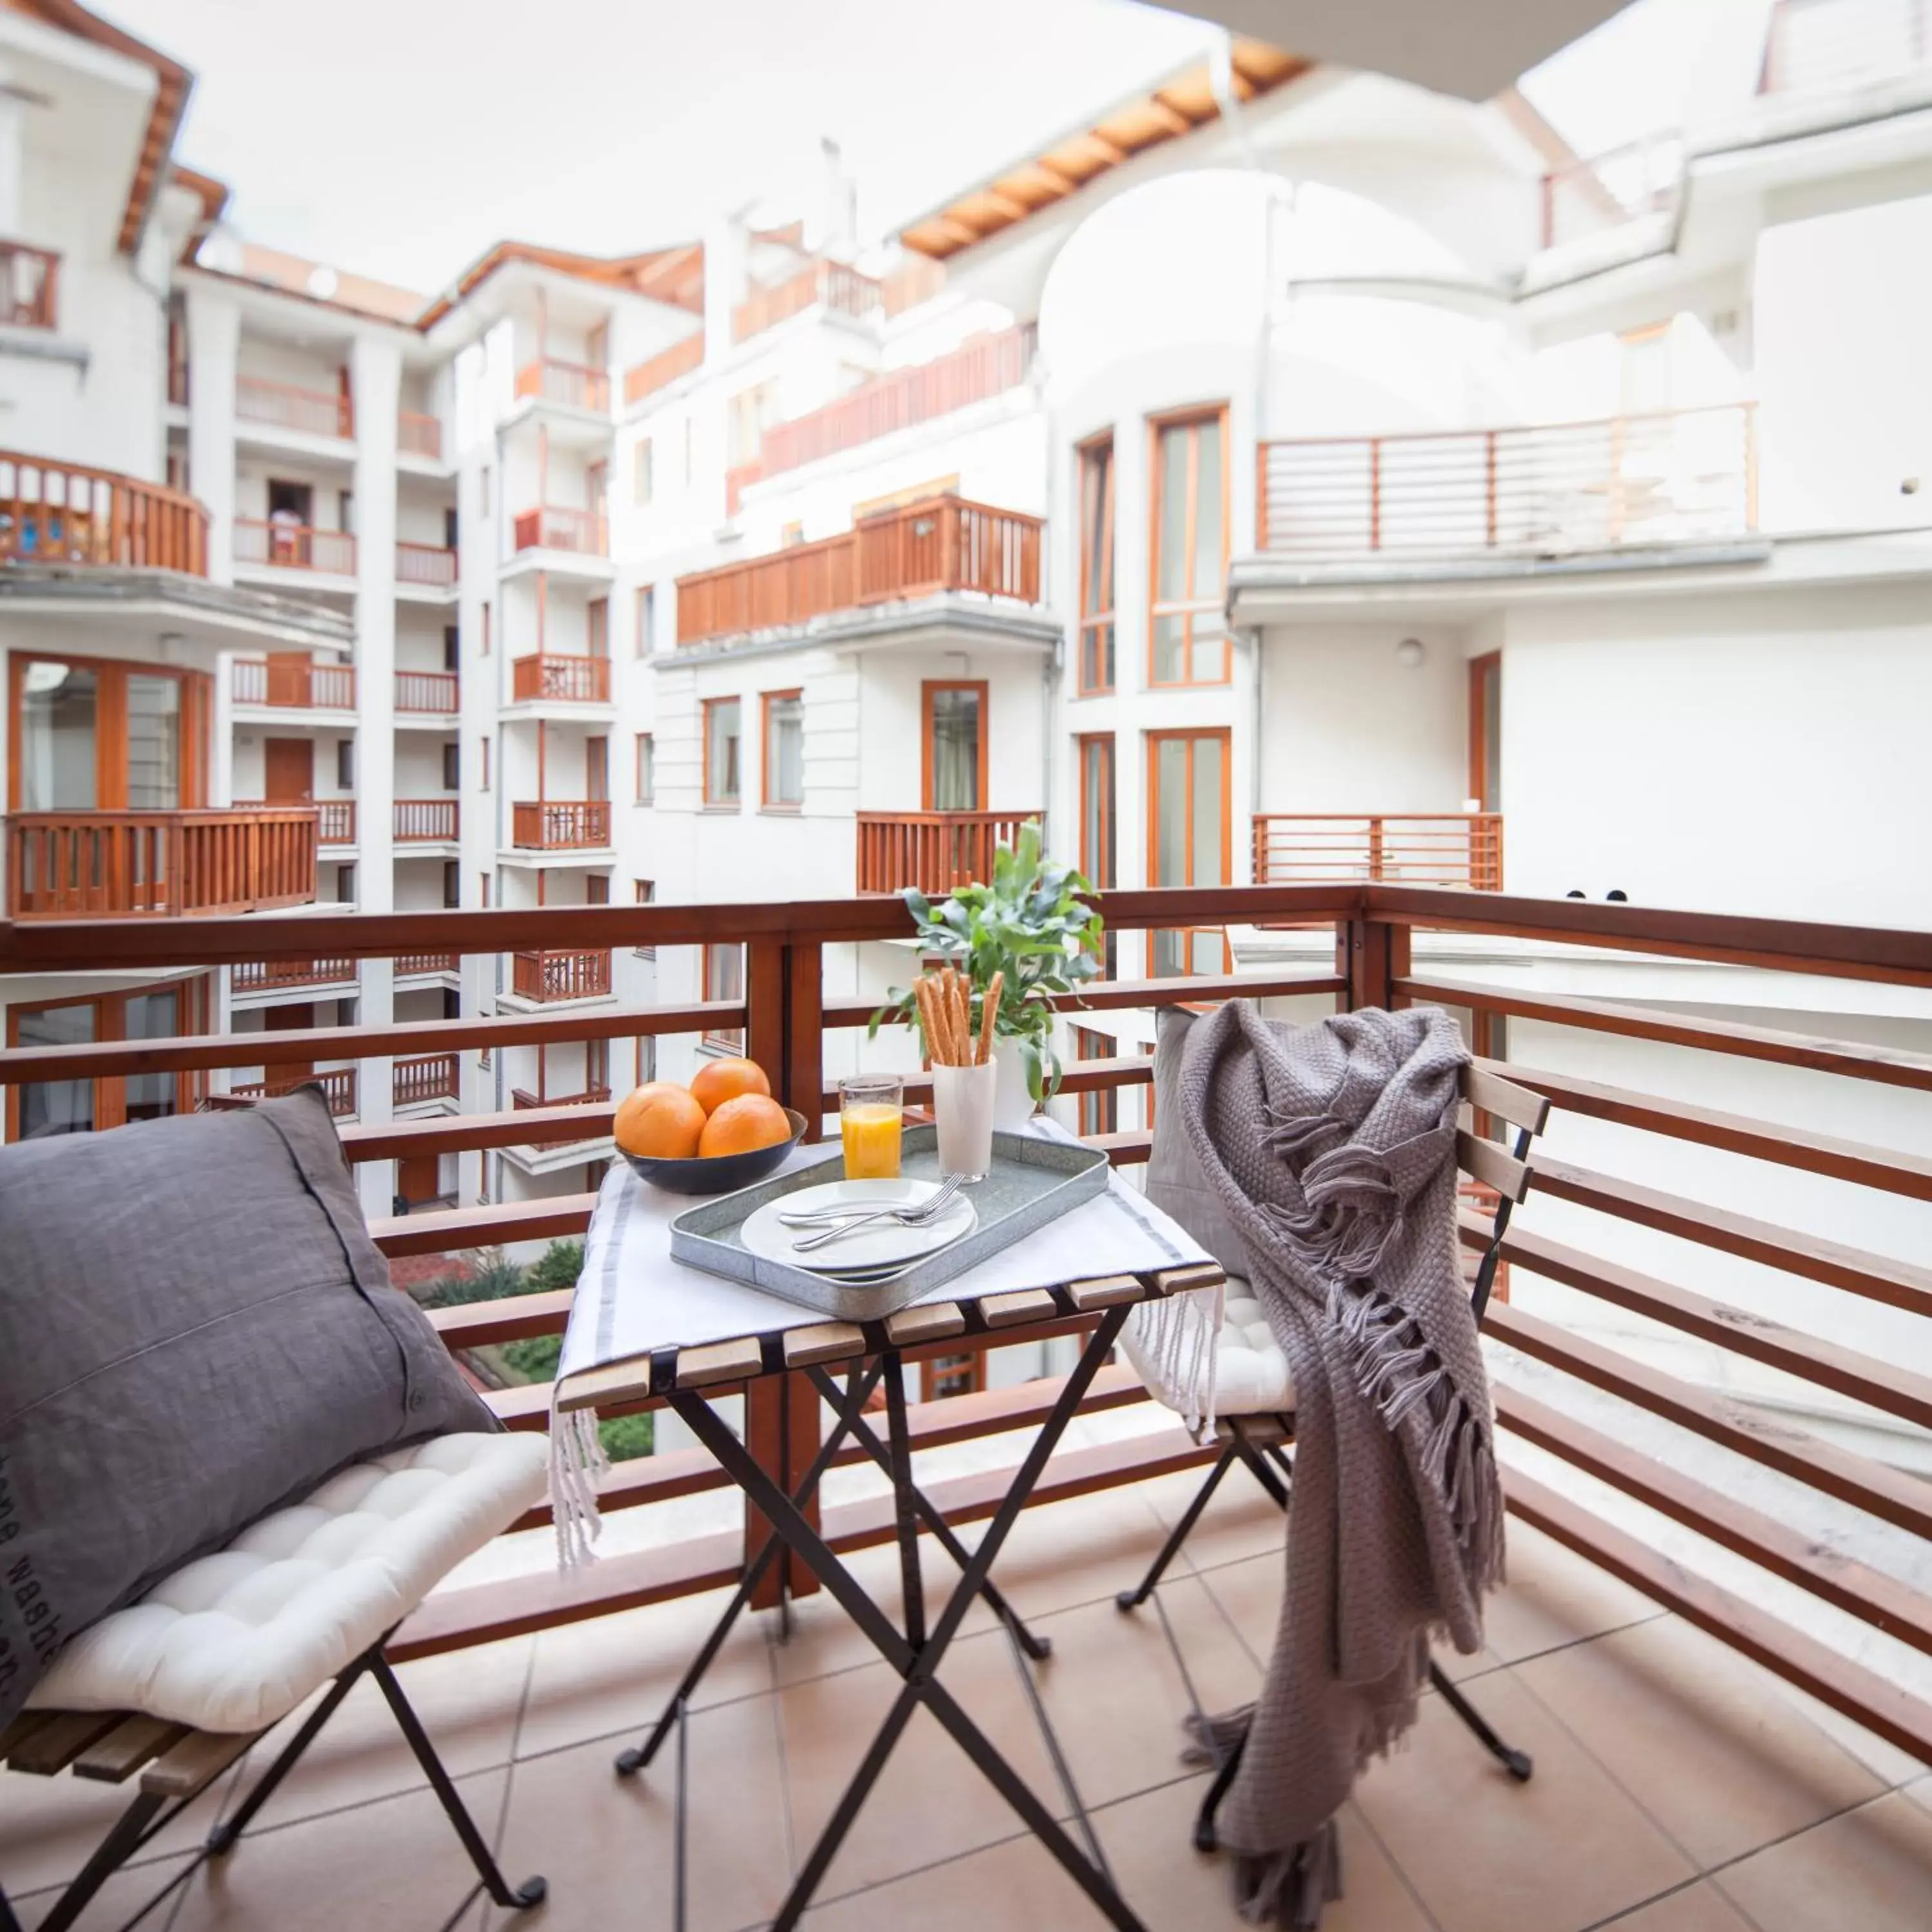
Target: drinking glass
<point>869,1110</point>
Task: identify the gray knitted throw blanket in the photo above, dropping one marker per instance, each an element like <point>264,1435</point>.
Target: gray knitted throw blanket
<point>1332,1148</point>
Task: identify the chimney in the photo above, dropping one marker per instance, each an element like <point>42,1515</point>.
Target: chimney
<point>838,213</point>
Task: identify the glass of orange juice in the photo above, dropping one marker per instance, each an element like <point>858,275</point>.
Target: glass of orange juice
<point>869,1105</point>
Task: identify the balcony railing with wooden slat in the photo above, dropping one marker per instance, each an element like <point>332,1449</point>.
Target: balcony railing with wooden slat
<point>1442,848</point>
<point>555,825</point>
<point>564,679</point>
<point>300,685</point>
<point>66,513</point>
<point>1826,47</point>
<point>425,1077</point>
<point>940,544</point>
<point>284,406</point>
<point>425,819</point>
<point>934,850</point>
<point>1584,197</point>
<point>553,975</point>
<point>338,1084</point>
<point>844,292</point>
<point>1674,477</point>
<point>262,976</point>
<point>294,547</point>
<point>1828,1328</point>
<point>574,385</point>
<point>419,435</point>
<point>427,691</point>
<point>114,864</point>
<point>412,965</point>
<point>657,372</point>
<point>430,564</point>
<point>552,526</point>
<point>29,286</point>
<point>335,821</point>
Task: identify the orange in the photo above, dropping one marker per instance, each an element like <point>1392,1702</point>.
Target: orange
<point>722,1080</point>
<point>746,1121</point>
<point>660,1121</point>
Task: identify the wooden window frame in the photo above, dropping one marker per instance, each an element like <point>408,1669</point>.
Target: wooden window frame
<point>767,699</point>
<point>729,1039</point>
<point>1092,621</point>
<point>1488,665</point>
<point>1191,735</point>
<point>597,627</point>
<point>644,892</point>
<point>110,1024</point>
<point>928,687</point>
<point>1192,606</point>
<point>452,764</point>
<point>942,1376</point>
<point>1100,1109</point>
<point>643,773</point>
<point>110,724</point>
<point>1099,867</point>
<point>736,802</point>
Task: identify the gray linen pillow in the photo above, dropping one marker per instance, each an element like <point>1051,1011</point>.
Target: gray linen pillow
<point>1174,1182</point>
<point>195,1328</point>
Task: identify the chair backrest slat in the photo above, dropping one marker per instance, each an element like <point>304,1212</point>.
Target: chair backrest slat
<point>1484,1161</point>
<point>1493,1094</point>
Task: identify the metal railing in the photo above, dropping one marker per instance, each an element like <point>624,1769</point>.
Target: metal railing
<point>67,513</point>
<point>294,547</point>
<point>284,406</point>
<point>1442,848</point>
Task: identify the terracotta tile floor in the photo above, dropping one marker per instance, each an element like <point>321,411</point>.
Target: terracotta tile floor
<point>1678,1789</point>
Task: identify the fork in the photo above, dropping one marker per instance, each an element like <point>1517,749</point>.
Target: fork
<point>913,1211</point>
<point>920,1216</point>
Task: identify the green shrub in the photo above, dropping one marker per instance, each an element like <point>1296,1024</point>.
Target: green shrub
<point>493,1277</point>
<point>534,1360</point>
<point>626,1437</point>
<point>561,1264</point>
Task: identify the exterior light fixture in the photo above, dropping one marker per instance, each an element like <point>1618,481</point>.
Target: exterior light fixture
<point>1410,653</point>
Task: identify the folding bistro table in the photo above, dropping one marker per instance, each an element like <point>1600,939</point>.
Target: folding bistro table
<point>645,1324</point>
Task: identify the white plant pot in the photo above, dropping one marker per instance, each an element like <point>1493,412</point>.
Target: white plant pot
<point>1012,1105</point>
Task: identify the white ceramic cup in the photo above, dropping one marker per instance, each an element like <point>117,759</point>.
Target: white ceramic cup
<point>962,1110</point>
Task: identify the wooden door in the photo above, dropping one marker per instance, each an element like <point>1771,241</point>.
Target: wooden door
<point>418,1179</point>
<point>596,767</point>
<point>295,1017</point>
<point>289,677</point>
<point>288,771</point>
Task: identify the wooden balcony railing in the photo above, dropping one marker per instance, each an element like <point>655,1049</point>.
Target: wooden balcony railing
<point>283,406</point>
<point>337,1083</point>
<point>433,690</point>
<point>424,819</point>
<point>66,513</point>
<point>1442,848</point>
<point>553,527</point>
<point>29,286</point>
<point>409,965</point>
<point>1606,190</point>
<point>113,865</point>
<point>551,825</point>
<point>552,975</point>
<point>1557,487</point>
<point>940,544</point>
<point>419,435</point>
<point>294,547</point>
<point>574,385</point>
<point>301,684</point>
<point>424,1076</point>
<point>1828,1319</point>
<point>656,372</point>
<point>551,674</point>
<point>934,850</point>
<point>1823,46</point>
<point>844,291</point>
<point>335,821</point>
<point>262,976</point>
<point>425,563</point>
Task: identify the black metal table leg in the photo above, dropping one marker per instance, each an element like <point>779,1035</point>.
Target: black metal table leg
<point>905,1516</point>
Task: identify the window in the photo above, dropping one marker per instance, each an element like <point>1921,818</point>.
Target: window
<point>953,775</point>
<point>647,1059</point>
<point>40,1107</point>
<point>647,895</point>
<point>1187,637</point>
<point>791,536</point>
<point>943,1375</point>
<point>647,618</point>
<point>597,627</point>
<point>452,883</point>
<point>345,882</point>
<point>597,889</point>
<point>452,766</point>
<point>746,415</point>
<point>345,511</point>
<point>724,979</point>
<point>784,751</point>
<point>345,764</point>
<point>483,896</point>
<point>597,768</point>
<point>483,762</point>
<point>641,472</point>
<point>485,651</point>
<point>97,736</point>
<point>645,774</point>
<point>1486,732</point>
<point>1097,808</point>
<point>723,785</point>
<point>1096,566</point>
<point>452,648</point>
<point>1189,803</point>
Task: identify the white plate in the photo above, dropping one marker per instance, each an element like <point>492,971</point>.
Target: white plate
<point>876,1245</point>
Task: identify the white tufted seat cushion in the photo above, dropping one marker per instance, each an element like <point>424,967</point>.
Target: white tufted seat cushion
<point>1251,1376</point>
<point>234,1640</point>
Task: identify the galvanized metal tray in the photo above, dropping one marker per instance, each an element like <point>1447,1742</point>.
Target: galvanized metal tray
<point>1033,1180</point>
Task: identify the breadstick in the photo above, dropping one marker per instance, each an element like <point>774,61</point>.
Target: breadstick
<point>962,1021</point>
<point>989,1012</point>
<point>942,1007</point>
<point>922,989</point>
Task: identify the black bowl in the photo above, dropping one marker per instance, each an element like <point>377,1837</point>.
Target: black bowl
<point>722,1172</point>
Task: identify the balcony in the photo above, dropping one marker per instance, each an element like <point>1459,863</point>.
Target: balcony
<point>117,865</point>
<point>29,283</point>
<point>843,291</point>
<point>338,1083</point>
<point>553,527</point>
<point>419,435</point>
<point>294,547</point>
<point>272,975</point>
<point>1626,184</point>
<point>934,850</point>
<point>552,975</point>
<point>431,566</point>
<point>657,372</point>
<point>942,543</point>
<point>1675,477</point>
<point>1460,849</point>
<point>283,406</point>
<point>572,385</point>
<point>66,513</point>
<point>1821,47</point>
<point>425,1077</point>
<point>549,675</point>
<point>335,821</point>
<point>425,820</point>
<point>1714,1636</point>
<point>415,965</point>
<point>296,684</point>
<point>560,825</point>
<point>432,692</point>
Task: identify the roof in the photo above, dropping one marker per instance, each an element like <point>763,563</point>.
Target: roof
<point>172,81</point>
<point>675,274</point>
<point>1175,106</point>
<point>293,275</point>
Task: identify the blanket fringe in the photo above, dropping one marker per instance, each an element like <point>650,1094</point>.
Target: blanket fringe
<point>1290,1889</point>
<point>1173,1345</point>
<point>576,1461</point>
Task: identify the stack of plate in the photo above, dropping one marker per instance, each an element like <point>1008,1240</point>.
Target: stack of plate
<point>878,1252</point>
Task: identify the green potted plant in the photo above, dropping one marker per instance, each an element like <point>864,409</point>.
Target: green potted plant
<point>1031,926</point>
